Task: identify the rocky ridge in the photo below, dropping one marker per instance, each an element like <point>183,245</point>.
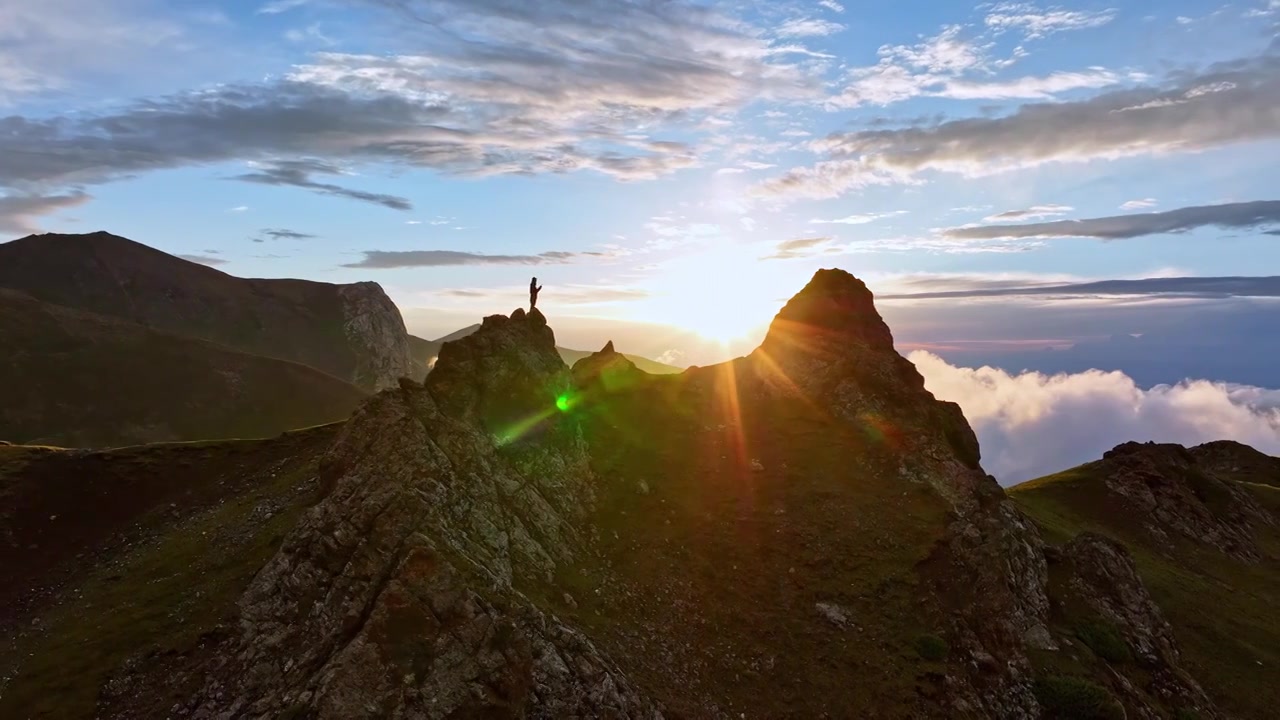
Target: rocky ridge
<point>805,531</point>
<point>396,595</point>
<point>1172,494</point>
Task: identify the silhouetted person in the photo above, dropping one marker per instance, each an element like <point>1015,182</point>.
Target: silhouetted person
<point>534,287</point>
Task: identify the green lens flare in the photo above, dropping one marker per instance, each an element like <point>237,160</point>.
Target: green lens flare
<point>562,403</point>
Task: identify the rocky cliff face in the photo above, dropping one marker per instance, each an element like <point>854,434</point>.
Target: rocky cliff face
<point>1172,495</point>
<point>803,532</point>
<point>376,331</point>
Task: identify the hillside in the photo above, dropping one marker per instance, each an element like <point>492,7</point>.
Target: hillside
<point>1204,530</point>
<point>352,332</point>
<point>804,532</point>
<point>77,379</point>
<point>123,552</point>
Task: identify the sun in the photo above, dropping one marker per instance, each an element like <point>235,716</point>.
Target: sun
<point>724,295</point>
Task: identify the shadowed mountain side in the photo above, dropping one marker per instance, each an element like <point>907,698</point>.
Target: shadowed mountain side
<point>1203,527</point>
<point>353,332</point>
<point>76,379</point>
<point>121,553</point>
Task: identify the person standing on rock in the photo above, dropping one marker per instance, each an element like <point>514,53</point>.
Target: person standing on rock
<point>534,287</point>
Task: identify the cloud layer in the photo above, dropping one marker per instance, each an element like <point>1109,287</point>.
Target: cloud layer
<point>1032,424</point>
<point>1227,103</point>
<point>1202,287</point>
<point>1118,227</point>
<point>489,87</point>
<point>388,259</point>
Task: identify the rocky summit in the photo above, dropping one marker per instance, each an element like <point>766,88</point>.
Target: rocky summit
<point>803,532</point>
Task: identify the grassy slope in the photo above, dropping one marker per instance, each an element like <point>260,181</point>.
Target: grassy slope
<point>1223,611</point>
<point>78,379</point>
<point>154,574</point>
<point>711,569</point>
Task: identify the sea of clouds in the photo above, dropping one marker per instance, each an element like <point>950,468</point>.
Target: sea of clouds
<point>1031,424</point>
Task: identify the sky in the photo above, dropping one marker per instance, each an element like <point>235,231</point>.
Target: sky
<point>673,170</point>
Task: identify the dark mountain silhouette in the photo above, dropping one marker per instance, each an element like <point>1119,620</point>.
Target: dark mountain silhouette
<point>802,532</point>
<point>352,332</point>
<point>77,379</point>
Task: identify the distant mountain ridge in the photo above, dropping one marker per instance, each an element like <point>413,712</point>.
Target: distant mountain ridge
<point>353,332</point>
<point>77,379</point>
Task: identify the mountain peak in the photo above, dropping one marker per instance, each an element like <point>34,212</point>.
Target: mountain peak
<point>504,373</point>
<point>835,305</point>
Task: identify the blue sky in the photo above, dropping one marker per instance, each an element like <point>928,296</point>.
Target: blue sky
<point>677,168</point>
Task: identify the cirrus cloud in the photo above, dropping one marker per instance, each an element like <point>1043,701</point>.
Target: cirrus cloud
<point>1117,227</point>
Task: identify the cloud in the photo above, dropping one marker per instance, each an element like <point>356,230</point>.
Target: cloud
<point>858,219</point>
<point>238,209</point>
<point>483,87</point>
<point>275,7</point>
<point>297,173</point>
<point>944,66</point>
<point>1140,204</point>
<point>805,27</point>
<point>1227,103</point>
<point>1200,287</point>
<point>18,212</point>
<point>45,45</point>
<point>1036,23</point>
<point>1031,213</point>
<point>831,5</point>
<point>1031,424</point>
<point>799,247</point>
<point>203,259</point>
<point>671,357</point>
<point>1230,215</point>
<point>563,294</point>
<point>281,234</point>
<point>386,259</point>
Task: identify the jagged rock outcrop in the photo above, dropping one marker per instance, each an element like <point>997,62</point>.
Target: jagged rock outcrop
<point>1171,495</point>
<point>830,341</point>
<point>1230,460</point>
<point>397,595</point>
<point>990,571</point>
<point>1101,575</point>
<point>376,332</point>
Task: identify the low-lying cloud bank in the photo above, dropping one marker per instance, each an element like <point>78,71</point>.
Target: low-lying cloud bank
<point>1032,424</point>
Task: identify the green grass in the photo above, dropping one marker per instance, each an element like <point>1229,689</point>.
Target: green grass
<point>1073,698</point>
<point>1223,611</point>
<point>1104,640</point>
<point>931,648</point>
<point>161,596</point>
